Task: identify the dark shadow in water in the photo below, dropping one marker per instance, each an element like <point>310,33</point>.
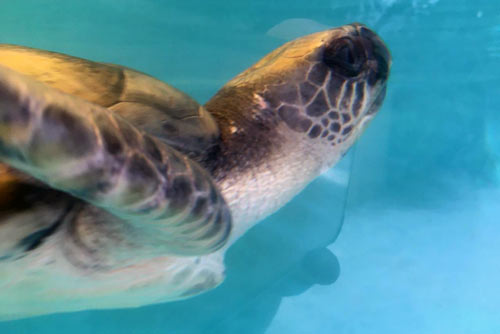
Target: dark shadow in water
<point>283,256</point>
<point>255,314</point>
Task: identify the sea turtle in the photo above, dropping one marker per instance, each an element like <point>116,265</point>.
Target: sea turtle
<point>118,190</point>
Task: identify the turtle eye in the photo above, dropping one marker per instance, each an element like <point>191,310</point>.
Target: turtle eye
<point>344,56</point>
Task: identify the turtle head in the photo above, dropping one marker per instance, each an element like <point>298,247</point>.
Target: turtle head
<point>321,89</point>
<point>325,87</point>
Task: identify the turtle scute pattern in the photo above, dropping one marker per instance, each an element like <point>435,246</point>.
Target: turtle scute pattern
<point>323,105</point>
<point>340,81</point>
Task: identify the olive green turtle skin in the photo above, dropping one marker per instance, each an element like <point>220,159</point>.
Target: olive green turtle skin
<point>122,191</point>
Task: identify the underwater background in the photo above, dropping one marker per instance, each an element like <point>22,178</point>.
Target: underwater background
<point>403,236</point>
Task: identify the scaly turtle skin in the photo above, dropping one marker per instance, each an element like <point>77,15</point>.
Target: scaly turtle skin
<point>118,190</point>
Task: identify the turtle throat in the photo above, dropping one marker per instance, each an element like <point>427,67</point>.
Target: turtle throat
<point>257,166</point>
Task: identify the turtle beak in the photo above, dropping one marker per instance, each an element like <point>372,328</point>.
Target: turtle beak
<point>376,51</point>
<point>360,49</point>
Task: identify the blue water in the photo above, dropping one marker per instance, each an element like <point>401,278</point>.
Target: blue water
<point>402,237</point>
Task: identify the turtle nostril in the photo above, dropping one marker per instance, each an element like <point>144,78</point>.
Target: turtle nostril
<point>344,57</point>
<point>366,33</point>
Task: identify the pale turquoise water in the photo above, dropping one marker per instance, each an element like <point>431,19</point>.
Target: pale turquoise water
<point>418,198</point>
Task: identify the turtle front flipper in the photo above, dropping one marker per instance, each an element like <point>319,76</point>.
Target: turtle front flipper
<point>147,103</point>
<point>168,202</point>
